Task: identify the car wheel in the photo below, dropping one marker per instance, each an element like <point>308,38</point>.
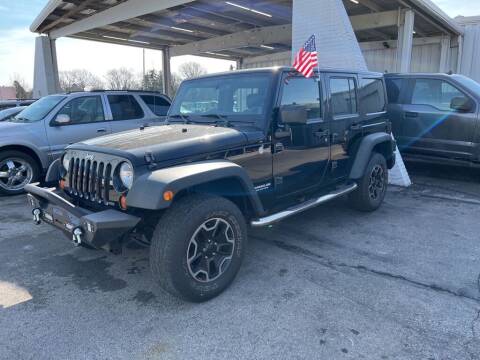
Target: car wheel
<point>17,169</point>
<point>372,187</point>
<point>198,246</point>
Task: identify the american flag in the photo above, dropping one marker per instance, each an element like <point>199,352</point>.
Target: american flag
<point>307,59</point>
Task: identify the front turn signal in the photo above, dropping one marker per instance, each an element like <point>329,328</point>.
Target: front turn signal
<point>168,195</point>
<point>123,202</point>
<point>61,184</point>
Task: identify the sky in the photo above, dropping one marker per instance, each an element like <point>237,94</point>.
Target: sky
<point>17,45</point>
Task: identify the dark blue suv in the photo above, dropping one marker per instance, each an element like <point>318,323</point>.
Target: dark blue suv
<point>435,117</point>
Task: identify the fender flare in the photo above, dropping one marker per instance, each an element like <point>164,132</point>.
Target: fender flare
<point>53,172</point>
<point>42,157</point>
<point>147,191</point>
<point>364,152</point>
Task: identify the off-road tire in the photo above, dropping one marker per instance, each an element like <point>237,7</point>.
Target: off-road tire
<point>362,198</point>
<point>35,168</point>
<point>171,242</point>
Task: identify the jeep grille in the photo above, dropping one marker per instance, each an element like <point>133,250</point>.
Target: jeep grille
<point>91,180</point>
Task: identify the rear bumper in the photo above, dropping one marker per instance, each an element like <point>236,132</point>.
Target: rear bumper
<point>96,229</point>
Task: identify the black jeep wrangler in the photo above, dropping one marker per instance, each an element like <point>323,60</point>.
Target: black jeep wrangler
<point>241,148</point>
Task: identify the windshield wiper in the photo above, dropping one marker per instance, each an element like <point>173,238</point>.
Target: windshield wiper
<point>185,118</point>
<point>223,120</point>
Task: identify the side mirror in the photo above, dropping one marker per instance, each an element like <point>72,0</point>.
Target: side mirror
<point>293,114</point>
<point>62,119</point>
<point>462,104</point>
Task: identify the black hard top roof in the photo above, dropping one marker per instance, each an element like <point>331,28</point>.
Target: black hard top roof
<point>277,69</point>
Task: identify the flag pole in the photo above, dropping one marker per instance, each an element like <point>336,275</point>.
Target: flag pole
<point>318,62</point>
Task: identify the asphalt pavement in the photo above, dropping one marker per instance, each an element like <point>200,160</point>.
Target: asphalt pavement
<point>331,283</point>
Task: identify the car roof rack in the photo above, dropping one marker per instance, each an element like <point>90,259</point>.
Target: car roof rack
<point>120,91</point>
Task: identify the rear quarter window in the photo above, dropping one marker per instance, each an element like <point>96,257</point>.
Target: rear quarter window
<point>372,96</point>
<point>394,89</point>
<point>157,104</point>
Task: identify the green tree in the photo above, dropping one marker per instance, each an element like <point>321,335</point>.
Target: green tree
<point>20,91</point>
<point>153,81</point>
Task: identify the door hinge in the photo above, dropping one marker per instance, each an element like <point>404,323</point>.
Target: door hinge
<point>278,180</point>
<point>334,165</point>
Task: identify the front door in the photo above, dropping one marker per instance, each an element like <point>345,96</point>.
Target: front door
<point>87,120</point>
<point>302,152</point>
<point>431,126</point>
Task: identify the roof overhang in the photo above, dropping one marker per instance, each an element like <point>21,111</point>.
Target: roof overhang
<point>223,29</point>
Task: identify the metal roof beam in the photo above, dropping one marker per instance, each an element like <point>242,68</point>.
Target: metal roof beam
<point>121,12</point>
<point>276,34</point>
<point>255,37</point>
<point>374,20</point>
<point>67,15</point>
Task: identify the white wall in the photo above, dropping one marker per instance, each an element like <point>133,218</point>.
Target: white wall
<point>425,56</point>
<point>470,64</point>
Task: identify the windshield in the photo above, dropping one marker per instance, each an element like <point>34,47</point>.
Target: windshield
<point>471,84</point>
<point>9,112</point>
<point>39,109</point>
<point>242,97</point>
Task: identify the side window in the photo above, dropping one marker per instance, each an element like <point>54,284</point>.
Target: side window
<point>157,104</point>
<point>302,91</point>
<point>124,107</point>
<point>436,93</point>
<point>394,89</point>
<point>372,96</point>
<point>343,93</point>
<point>84,110</point>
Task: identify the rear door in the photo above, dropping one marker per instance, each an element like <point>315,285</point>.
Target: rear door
<point>397,90</point>
<point>344,116</point>
<point>87,120</point>
<point>126,113</point>
<point>431,126</point>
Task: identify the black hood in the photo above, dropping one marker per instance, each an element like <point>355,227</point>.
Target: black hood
<point>169,142</point>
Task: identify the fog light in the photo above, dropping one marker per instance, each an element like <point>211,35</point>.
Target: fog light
<point>123,202</point>
<point>168,195</point>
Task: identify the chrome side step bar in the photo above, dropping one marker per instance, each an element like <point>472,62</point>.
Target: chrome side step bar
<point>268,220</point>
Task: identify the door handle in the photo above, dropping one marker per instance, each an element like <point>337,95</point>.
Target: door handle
<point>411,114</point>
<point>279,147</point>
<point>322,133</point>
<point>356,126</point>
<point>103,130</point>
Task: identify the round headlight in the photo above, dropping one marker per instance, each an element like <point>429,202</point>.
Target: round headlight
<point>126,175</point>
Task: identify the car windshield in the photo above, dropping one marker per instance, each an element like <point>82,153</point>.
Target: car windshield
<point>39,109</point>
<point>239,97</point>
<point>9,112</point>
<point>471,84</point>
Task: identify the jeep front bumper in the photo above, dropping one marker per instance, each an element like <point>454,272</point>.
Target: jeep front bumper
<point>97,229</point>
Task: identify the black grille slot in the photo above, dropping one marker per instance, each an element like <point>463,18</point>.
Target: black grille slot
<point>91,180</point>
<point>75,176</point>
<point>107,179</point>
<point>99,188</point>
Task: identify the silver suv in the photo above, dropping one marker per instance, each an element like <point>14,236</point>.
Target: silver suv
<point>37,136</point>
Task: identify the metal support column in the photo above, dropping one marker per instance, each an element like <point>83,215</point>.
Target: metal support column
<point>405,42</point>
<point>166,71</point>
<point>45,79</point>
<point>445,54</point>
